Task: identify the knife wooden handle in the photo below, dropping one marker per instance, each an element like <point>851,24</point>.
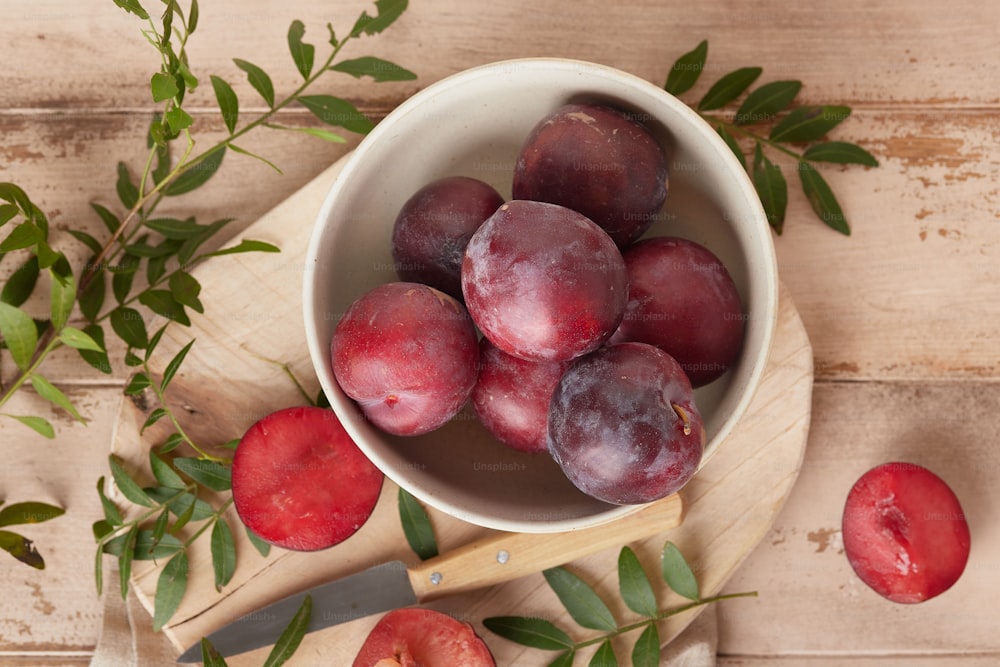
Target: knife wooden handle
<point>506,556</point>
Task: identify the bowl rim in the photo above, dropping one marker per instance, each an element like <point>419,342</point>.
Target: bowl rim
<point>766,264</point>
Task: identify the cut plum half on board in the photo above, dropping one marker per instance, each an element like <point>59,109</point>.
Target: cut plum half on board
<point>413,636</point>
<point>300,482</point>
<point>905,534</point>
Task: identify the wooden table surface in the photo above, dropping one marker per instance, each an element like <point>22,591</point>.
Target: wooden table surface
<point>903,315</point>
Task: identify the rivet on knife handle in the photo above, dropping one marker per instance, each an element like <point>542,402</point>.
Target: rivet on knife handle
<point>508,556</point>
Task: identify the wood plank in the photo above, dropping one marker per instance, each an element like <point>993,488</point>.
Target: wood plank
<point>909,660</point>
<point>810,600</point>
<point>853,52</point>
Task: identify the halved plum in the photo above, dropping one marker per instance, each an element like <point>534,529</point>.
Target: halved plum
<point>300,482</point>
<point>418,637</point>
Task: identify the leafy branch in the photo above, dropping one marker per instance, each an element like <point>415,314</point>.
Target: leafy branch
<point>768,105</point>
<point>590,611</point>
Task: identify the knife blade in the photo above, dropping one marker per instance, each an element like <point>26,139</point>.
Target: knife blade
<point>482,563</point>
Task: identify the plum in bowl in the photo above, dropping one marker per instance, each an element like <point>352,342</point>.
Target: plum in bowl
<point>475,124</point>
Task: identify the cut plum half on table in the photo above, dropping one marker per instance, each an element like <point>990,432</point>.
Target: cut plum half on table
<point>414,636</point>
<point>300,482</point>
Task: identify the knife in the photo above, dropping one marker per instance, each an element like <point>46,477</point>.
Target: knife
<point>492,560</point>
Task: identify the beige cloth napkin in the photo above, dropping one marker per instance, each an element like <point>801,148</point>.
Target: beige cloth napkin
<point>127,638</point>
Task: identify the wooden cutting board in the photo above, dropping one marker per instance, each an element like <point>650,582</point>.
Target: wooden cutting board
<point>252,335</point>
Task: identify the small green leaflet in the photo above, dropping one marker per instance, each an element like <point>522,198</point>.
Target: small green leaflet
<point>196,174</point>
<point>809,123</point>
<point>840,152</point>
<point>19,333</point>
<point>79,340</point>
<point>733,145</point>
<point>302,53</point>
<point>416,526</point>
<point>378,69</point>
<point>229,104</point>
<point>246,245</point>
<point>163,473</point>
<point>62,297</point>
<point>635,587</point>
<point>21,283</point>
<point>28,512</point>
<point>163,86</point>
<point>605,656</point>
<point>128,324</point>
<point>127,485</point>
<point>170,588</point>
<point>677,573</point>
<point>212,474</point>
<point>210,657</point>
<point>533,632</point>
<point>821,198</point>
<point>37,424</point>
<point>686,70</point>
<point>646,652</point>
<point>728,88</point>
<point>133,7</point>
<point>767,100</point>
<point>128,193</point>
<point>337,112</point>
<point>580,600</point>
<point>292,635</point>
<point>24,235</point>
<point>174,366</point>
<point>388,12</point>
<point>259,79</point>
<point>22,549</point>
<point>223,553</point>
<point>771,187</point>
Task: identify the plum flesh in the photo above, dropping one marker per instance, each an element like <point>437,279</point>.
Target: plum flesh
<point>543,282</point>
<point>512,395</point>
<point>408,355</point>
<point>623,424</point>
<point>598,160</point>
<point>433,227</point>
<point>683,300</point>
<point>418,637</point>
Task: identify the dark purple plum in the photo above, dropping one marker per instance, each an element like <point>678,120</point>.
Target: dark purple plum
<point>597,160</point>
<point>543,282</point>
<point>433,227</point>
<point>623,424</point>
<point>511,397</point>
<point>408,354</point>
<point>683,300</point>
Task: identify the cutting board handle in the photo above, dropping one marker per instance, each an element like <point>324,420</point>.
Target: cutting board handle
<point>506,556</point>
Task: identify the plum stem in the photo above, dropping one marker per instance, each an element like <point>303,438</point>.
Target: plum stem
<point>685,418</point>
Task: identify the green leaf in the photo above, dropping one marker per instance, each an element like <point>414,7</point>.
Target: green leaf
<point>733,145</point>
<point>245,245</point>
<point>37,424</point>
<point>7,213</point>
<point>292,635</point>
<point>133,7</point>
<point>79,340</point>
<point>388,12</point>
<point>21,283</point>
<point>223,553</point>
<point>580,600</point>
<point>686,70</point>
<point>86,239</point>
<point>154,416</point>
<point>191,245</point>
<point>178,119</point>
<point>100,528</point>
<point>180,502</point>
<point>127,485</point>
<point>533,632</point>
<point>646,651</point>
<point>229,104</point>
<point>165,474</point>
<point>124,273</point>
<point>162,303</point>
<point>809,123</point>
<point>193,14</point>
<point>259,79</point>
<point>211,474</point>
<point>149,546</point>
<point>128,324</point>
<point>96,358</point>
<point>170,588</point>
<point>378,69</point>
<point>24,235</point>
<point>195,174</point>
<point>243,151</point>
<point>92,297</point>
<point>185,288</point>
<point>128,193</point>
<point>111,513</point>
<point>822,200</point>
<point>210,657</point>
<point>417,526</point>
<point>174,366</point>
<point>605,656</point>
<point>840,152</point>
<point>29,512</point>
<point>325,135</point>
<point>771,187</point>
<point>728,88</point>
<point>173,228</point>
<point>21,548</point>
<point>19,334</point>
<point>262,547</point>
<point>302,53</point>
<point>163,86</point>
<point>62,298</point>
<point>137,384</point>
<point>636,590</point>
<point>677,573</point>
<point>125,559</point>
<point>767,100</point>
<point>54,395</point>
<point>15,195</point>
<point>337,112</point>
<point>109,219</point>
<point>564,659</point>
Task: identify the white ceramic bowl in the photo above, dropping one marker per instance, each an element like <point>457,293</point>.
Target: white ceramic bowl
<point>473,123</point>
